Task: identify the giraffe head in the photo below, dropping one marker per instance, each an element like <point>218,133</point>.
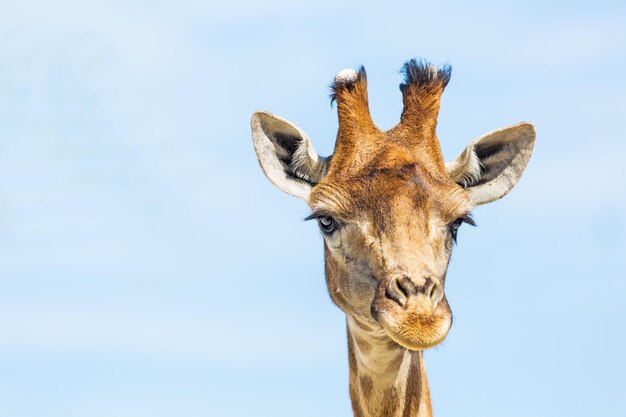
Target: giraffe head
<point>387,204</point>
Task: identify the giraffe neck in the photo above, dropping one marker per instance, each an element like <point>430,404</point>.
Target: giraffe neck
<point>386,380</point>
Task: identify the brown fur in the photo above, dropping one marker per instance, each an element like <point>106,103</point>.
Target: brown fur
<point>393,196</point>
<point>389,210</point>
<point>405,390</point>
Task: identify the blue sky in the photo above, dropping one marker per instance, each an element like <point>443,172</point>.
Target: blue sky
<point>147,268</point>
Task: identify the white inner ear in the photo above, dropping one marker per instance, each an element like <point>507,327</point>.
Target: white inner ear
<point>306,164</point>
<point>492,164</point>
<point>286,154</point>
<point>465,169</point>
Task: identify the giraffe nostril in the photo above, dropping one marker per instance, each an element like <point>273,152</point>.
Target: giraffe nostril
<point>429,287</point>
<point>401,289</point>
<point>434,291</point>
<point>397,292</point>
<point>407,286</point>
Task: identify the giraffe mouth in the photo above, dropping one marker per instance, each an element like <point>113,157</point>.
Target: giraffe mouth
<point>417,319</point>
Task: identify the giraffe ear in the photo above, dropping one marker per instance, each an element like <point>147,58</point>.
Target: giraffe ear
<point>286,154</point>
<point>492,164</point>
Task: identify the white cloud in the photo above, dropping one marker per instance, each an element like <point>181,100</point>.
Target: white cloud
<point>579,42</point>
<point>573,183</point>
<point>138,36</point>
<point>221,337</point>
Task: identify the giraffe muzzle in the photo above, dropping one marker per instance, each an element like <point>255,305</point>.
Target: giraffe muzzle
<point>413,312</point>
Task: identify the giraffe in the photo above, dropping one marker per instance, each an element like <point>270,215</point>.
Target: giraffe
<point>389,209</point>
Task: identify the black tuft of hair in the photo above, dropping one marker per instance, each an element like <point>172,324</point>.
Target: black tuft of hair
<point>337,86</point>
<point>421,73</point>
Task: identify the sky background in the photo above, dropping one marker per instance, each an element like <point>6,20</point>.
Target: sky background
<point>148,268</point>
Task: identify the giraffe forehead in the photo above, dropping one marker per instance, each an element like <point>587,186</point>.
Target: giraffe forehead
<point>386,192</point>
<point>382,151</point>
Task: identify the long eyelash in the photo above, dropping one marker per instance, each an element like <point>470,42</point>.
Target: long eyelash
<point>469,219</point>
<point>311,216</point>
<point>466,219</point>
<point>315,215</point>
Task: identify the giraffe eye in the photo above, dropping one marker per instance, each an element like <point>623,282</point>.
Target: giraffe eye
<point>327,224</point>
<point>454,226</point>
